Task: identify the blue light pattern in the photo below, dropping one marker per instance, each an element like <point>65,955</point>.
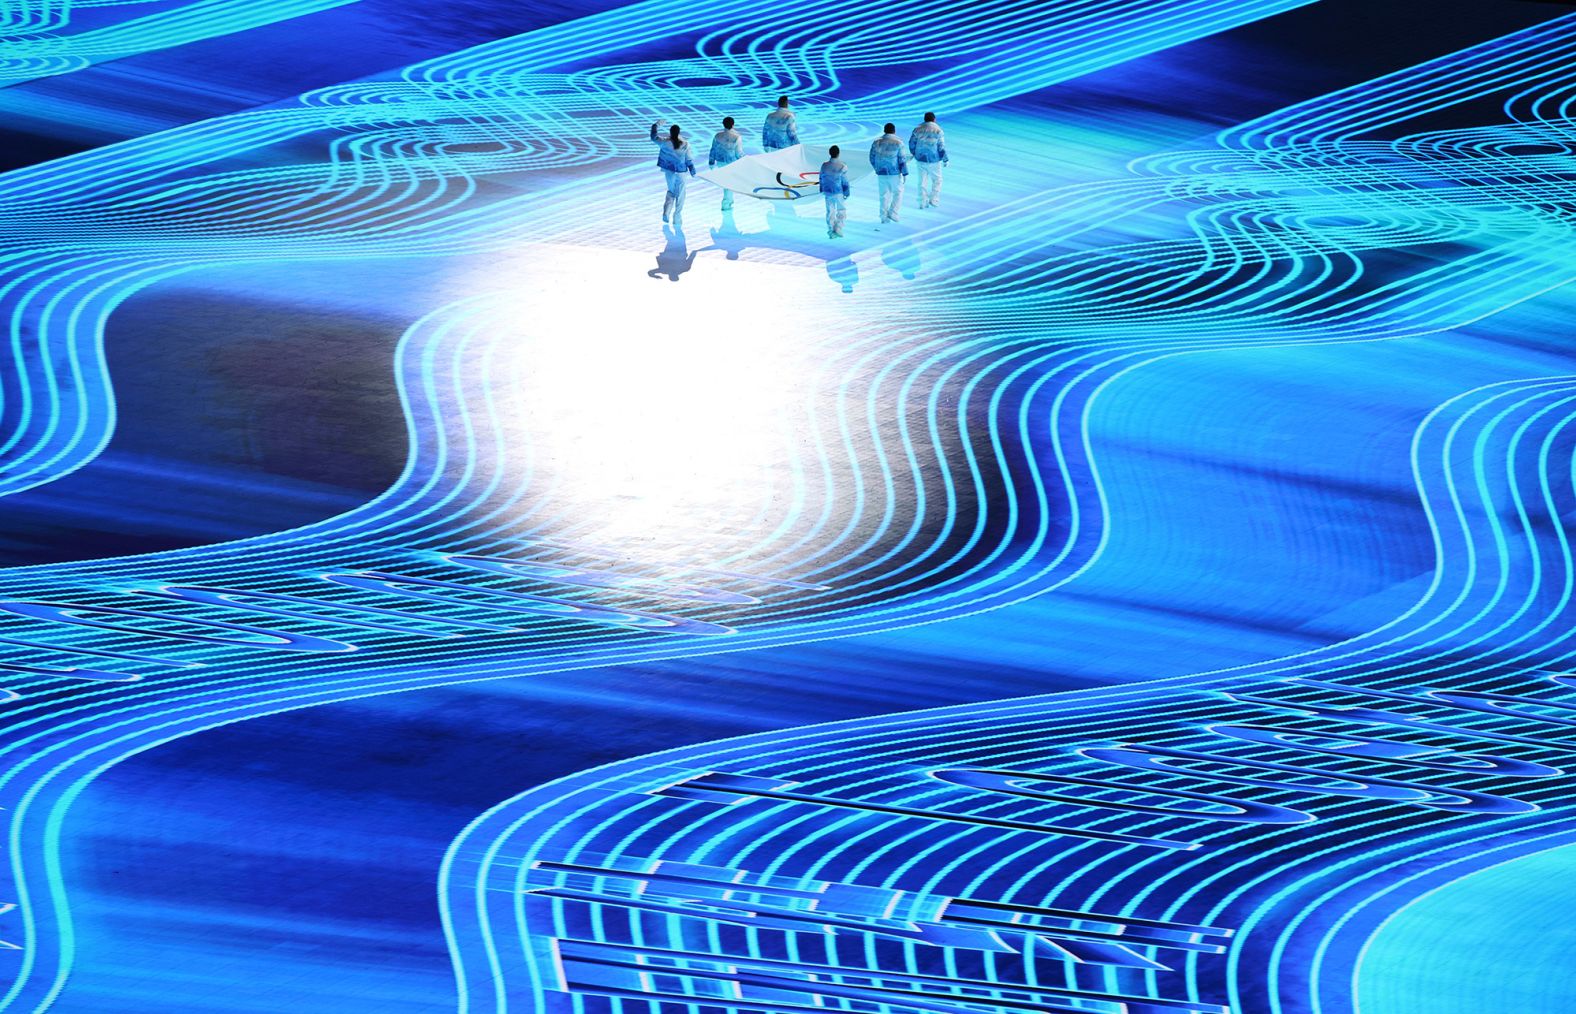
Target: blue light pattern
<point>938,453</point>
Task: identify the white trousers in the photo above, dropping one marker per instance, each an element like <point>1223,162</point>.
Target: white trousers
<point>891,196</point>
<point>836,213</point>
<point>929,184</point>
<point>673,203</point>
<point>727,199</point>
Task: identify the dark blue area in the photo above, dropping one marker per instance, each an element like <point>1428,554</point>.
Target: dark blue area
<point>289,861</point>
<point>135,95</point>
<point>280,416</point>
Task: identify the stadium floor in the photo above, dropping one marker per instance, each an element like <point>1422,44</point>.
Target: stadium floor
<point>1138,584</point>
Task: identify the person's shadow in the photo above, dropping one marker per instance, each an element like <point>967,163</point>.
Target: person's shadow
<point>844,272</point>
<point>902,257</point>
<point>781,217</point>
<point>730,241</point>
<point>675,258</point>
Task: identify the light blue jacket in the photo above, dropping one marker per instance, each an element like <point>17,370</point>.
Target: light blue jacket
<point>726,147</point>
<point>928,143</point>
<point>834,177</point>
<point>675,159</point>
<point>778,131</point>
<point>888,157</point>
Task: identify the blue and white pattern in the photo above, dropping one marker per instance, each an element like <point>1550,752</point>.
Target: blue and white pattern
<point>1142,585</point>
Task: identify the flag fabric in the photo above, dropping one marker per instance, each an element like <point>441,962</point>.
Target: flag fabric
<point>787,174</point>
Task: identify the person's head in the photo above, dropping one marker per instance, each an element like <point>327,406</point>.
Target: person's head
<point>673,133</point>
<point>782,102</point>
<point>930,117</point>
<point>727,123</point>
<point>834,151</point>
<point>890,128</point>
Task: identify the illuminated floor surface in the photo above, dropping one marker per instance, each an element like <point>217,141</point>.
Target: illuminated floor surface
<point>1139,585</point>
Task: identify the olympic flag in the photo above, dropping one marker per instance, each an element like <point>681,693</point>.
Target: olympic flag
<point>787,174</point>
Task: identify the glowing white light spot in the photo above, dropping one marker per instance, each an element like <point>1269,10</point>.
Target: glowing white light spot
<point>652,407</point>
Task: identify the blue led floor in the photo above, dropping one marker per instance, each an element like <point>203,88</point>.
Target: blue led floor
<point>1141,584</point>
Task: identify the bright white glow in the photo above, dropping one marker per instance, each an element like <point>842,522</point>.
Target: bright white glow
<point>655,408</point>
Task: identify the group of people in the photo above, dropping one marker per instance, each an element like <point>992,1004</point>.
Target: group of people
<point>889,157</point>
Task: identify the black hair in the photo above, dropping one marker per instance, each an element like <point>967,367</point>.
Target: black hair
<point>834,151</point>
<point>727,123</point>
<point>673,133</point>
<point>782,100</point>
<point>930,117</point>
<point>890,128</point>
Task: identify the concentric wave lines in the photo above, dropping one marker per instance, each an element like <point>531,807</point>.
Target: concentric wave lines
<point>32,47</point>
<point>79,235</point>
<point>468,517</point>
<point>467,569</point>
<point>1171,847</point>
<point>1291,808</point>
